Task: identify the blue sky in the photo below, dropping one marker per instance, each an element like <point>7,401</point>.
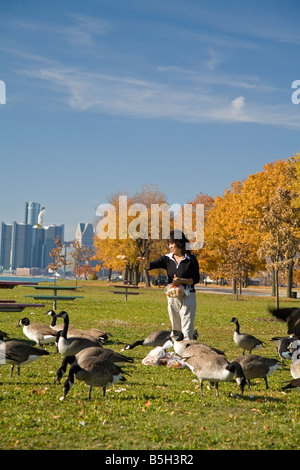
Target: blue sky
<point>105,96</point>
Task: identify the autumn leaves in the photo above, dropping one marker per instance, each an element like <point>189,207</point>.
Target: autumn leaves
<point>253,227</point>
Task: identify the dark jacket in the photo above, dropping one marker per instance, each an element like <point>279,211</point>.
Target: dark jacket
<point>187,268</point>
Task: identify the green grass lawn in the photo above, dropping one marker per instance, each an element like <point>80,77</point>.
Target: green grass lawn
<point>157,408</point>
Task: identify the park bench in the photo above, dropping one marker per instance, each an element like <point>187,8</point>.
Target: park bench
<point>12,306</point>
<point>9,305</point>
<point>55,296</point>
<point>126,290</point>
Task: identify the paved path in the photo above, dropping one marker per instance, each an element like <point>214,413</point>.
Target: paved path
<point>266,292</point>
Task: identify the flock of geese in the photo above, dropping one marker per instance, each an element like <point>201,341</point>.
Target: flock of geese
<point>98,366</point>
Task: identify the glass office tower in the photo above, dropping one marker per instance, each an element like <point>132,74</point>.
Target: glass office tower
<point>32,210</point>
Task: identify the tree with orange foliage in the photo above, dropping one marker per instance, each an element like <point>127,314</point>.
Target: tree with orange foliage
<point>259,191</point>
<point>81,256</point>
<point>281,243</point>
<point>228,253</point>
<point>130,233</point>
<point>58,255</point>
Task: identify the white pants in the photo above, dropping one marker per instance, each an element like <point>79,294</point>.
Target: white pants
<point>182,314</point>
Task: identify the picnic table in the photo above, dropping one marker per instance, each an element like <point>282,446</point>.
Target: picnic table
<point>127,289</point>
<point>12,284</point>
<point>56,296</point>
<point>11,305</point>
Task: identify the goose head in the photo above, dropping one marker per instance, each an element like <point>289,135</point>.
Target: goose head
<point>63,314</point>
<point>51,312</point>
<point>176,335</point>
<point>23,322</point>
<point>235,368</point>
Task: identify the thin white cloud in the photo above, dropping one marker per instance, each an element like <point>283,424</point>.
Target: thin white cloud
<point>83,30</point>
<point>185,102</point>
<point>237,104</point>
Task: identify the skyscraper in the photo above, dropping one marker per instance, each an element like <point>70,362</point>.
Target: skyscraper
<point>32,210</point>
<point>24,245</point>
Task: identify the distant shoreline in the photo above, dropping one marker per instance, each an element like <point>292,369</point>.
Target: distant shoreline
<point>27,278</point>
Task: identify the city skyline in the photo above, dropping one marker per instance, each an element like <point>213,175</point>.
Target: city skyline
<point>104,97</point>
<point>27,243</point>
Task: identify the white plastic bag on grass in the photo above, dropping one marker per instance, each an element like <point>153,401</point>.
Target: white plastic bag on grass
<point>159,357</point>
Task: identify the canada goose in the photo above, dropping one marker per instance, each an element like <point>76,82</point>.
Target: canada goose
<point>154,339</point>
<point>37,332</point>
<point>92,333</point>
<point>244,340</point>
<point>283,344</point>
<point>95,373</point>
<point>17,353</point>
<point>295,365</point>
<point>289,315</point>
<point>181,344</point>
<point>293,384</point>
<point>207,365</point>
<point>71,345</point>
<point>91,353</point>
<point>255,366</point>
<point>53,324</point>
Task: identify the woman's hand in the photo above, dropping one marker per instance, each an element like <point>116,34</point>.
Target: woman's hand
<point>176,280</point>
<point>179,280</point>
<point>144,262</point>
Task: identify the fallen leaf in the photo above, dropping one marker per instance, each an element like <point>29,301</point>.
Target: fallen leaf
<point>256,410</point>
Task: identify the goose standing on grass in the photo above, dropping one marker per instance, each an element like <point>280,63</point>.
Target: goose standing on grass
<point>91,353</point>
<point>71,345</point>
<point>207,365</point>
<point>180,344</point>
<point>37,332</point>
<point>244,340</point>
<point>92,333</point>
<point>17,353</point>
<point>95,373</point>
<point>255,367</point>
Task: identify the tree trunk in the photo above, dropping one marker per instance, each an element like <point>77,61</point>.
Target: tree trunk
<point>290,280</point>
<point>135,275</point>
<point>273,283</point>
<point>276,289</point>
<point>147,278</point>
